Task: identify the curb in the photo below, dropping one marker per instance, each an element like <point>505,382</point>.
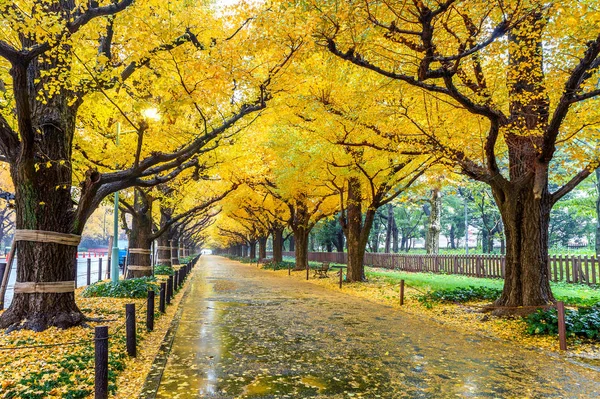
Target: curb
<point>154,377</point>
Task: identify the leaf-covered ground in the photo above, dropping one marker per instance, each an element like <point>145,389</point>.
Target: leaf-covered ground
<point>68,371</point>
<point>250,333</point>
<point>383,287</point>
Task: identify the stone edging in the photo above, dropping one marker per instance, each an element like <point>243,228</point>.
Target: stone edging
<point>154,377</point>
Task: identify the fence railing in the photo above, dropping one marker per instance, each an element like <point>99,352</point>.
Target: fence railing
<point>567,268</point>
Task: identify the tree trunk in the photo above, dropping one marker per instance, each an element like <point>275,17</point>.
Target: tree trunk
<point>301,248</point>
<point>395,237</point>
<point>292,243</point>
<point>339,240</point>
<point>42,175</point>
<point>174,249</point>
<point>598,212</point>
<point>389,229</point>
<point>140,237</point>
<point>252,246</point>
<point>163,251</point>
<point>432,243</point>
<point>277,245</point>
<point>484,240</point>
<point>357,232</point>
<point>262,247</point>
<point>329,246</point>
<point>525,220</point>
<point>524,201</point>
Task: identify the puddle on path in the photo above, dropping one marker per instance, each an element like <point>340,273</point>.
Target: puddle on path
<point>257,340</point>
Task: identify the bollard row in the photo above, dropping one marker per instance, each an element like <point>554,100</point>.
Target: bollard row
<point>101,333</point>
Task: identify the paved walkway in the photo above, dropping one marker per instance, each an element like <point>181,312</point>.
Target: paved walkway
<point>246,333</point>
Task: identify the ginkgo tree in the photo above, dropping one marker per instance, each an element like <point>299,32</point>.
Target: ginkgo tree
<point>62,62</point>
<point>498,88</point>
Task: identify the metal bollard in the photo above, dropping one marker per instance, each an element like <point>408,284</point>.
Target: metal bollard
<point>150,311</point>
<point>130,329</point>
<point>89,271</point>
<point>108,268</point>
<point>341,276</point>
<point>169,289</point>
<point>161,297</point>
<point>99,269</point>
<point>101,360</point>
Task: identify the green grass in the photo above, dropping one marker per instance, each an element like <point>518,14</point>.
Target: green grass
<point>576,294</point>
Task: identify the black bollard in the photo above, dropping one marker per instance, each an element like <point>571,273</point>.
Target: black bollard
<point>130,329</point>
<point>150,311</point>
<point>169,289</point>
<point>161,297</point>
<point>99,269</point>
<point>89,271</point>
<point>101,357</point>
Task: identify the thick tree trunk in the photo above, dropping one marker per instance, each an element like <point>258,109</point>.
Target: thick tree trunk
<point>163,252</point>
<point>140,237</point>
<point>357,232</point>
<point>42,178</point>
<point>252,246</point>
<point>292,243</point>
<point>262,247</point>
<point>525,222</point>
<point>329,246</point>
<point>432,242</point>
<point>524,201</point>
<point>301,248</point>
<point>174,249</point>
<point>277,245</point>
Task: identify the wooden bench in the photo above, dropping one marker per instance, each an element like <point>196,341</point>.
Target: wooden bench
<point>321,272</point>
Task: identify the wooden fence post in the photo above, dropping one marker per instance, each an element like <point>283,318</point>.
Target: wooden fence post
<point>161,297</point>
<point>130,329</point>
<point>150,311</point>
<point>401,292</point>
<point>562,329</point>
<point>101,360</point>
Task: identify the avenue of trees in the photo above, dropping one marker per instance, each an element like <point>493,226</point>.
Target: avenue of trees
<point>347,119</point>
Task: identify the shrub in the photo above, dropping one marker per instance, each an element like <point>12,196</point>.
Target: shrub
<point>163,270</point>
<point>470,293</point>
<point>584,322</point>
<point>279,265</point>
<point>130,288</point>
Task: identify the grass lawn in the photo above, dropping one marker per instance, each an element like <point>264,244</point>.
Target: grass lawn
<point>570,293</point>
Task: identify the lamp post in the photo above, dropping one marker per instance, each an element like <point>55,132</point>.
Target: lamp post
<point>150,113</point>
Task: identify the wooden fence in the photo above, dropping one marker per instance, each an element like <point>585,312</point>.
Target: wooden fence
<point>568,268</point>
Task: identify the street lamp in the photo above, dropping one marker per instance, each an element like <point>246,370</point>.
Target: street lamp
<point>150,113</point>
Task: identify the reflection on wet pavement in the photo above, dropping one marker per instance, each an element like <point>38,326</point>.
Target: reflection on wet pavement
<point>246,333</point>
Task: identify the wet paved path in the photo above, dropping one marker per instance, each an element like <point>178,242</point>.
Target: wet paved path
<point>246,333</point>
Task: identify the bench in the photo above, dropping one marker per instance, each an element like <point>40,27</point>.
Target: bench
<point>321,272</point>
